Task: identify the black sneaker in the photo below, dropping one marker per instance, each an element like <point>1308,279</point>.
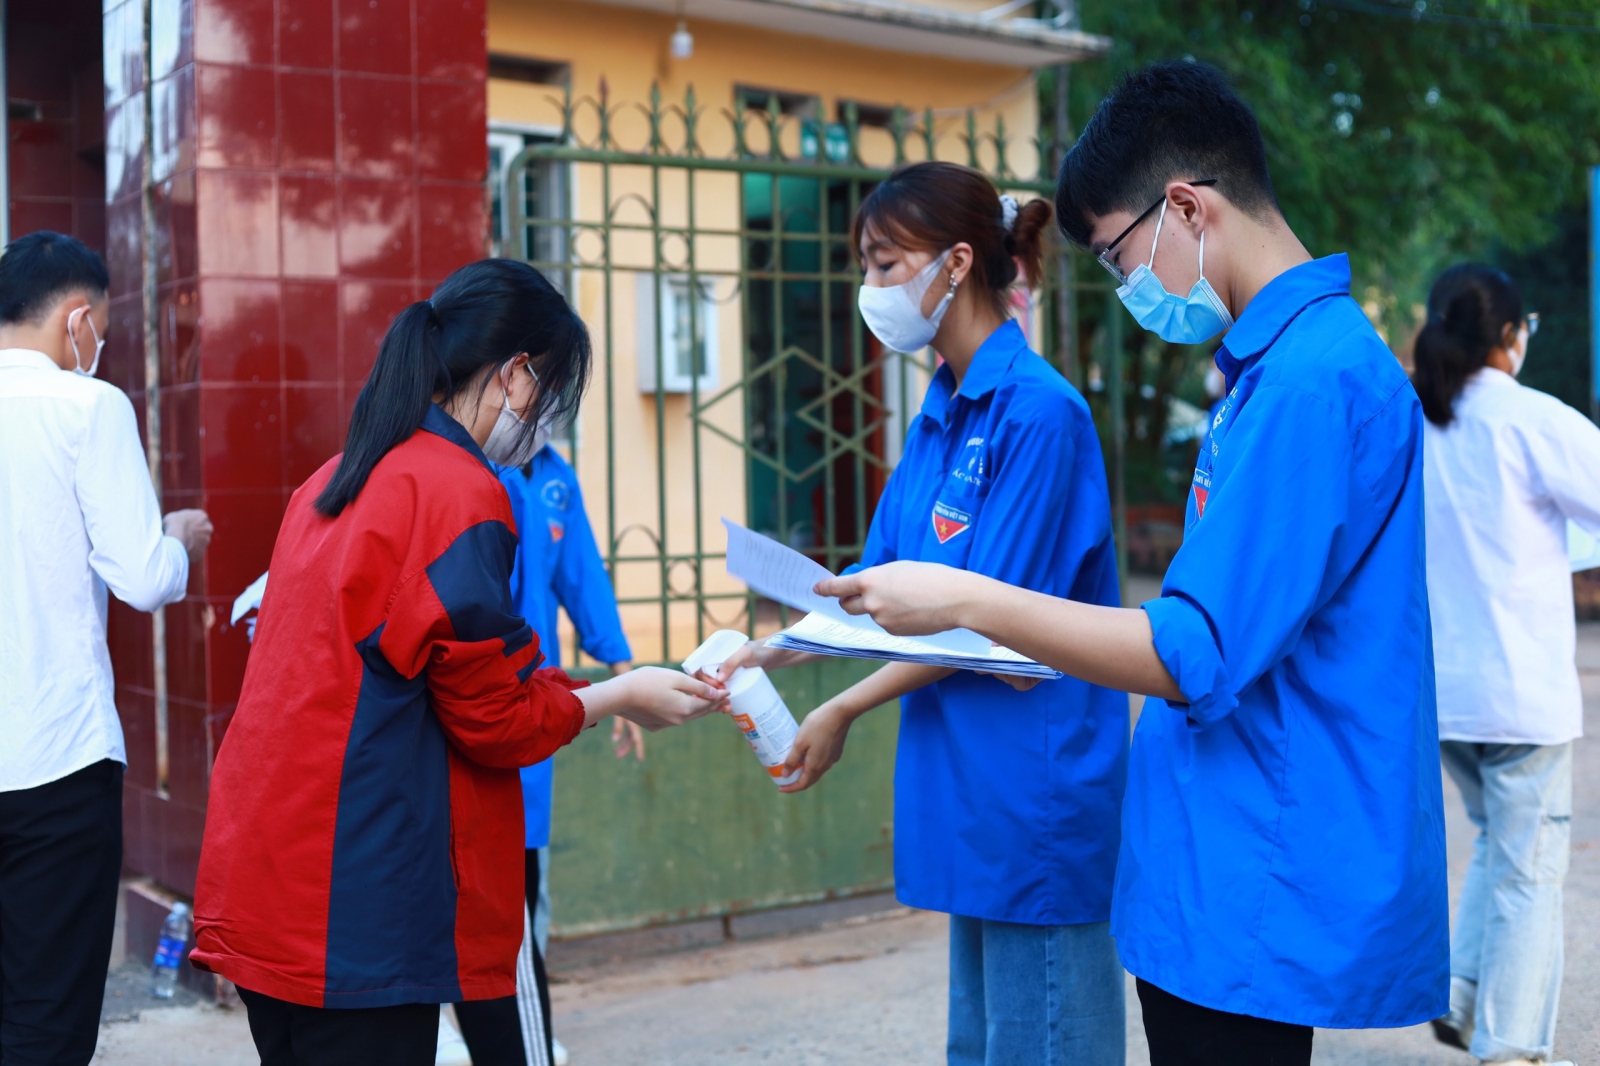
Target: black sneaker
<point>1447,1034</point>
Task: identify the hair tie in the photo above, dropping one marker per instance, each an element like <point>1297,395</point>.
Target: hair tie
<point>1008,212</point>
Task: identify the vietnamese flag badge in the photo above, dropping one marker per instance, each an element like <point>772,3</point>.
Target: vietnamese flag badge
<point>949,522</point>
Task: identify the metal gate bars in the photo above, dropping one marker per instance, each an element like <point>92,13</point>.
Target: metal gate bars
<point>711,258</point>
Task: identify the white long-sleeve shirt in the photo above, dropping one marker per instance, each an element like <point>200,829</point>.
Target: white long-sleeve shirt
<point>1501,482</point>
<point>77,514</point>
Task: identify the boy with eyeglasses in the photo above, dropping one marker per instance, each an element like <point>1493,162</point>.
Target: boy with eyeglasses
<point>1283,854</point>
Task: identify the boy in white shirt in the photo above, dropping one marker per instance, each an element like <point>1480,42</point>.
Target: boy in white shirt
<point>79,515</point>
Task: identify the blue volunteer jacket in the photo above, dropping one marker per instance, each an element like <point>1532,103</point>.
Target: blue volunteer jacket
<point>1006,803</point>
<point>558,565</point>
<point>1283,839</point>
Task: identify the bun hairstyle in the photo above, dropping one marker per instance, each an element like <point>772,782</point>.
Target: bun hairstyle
<point>931,206</point>
<point>479,318</point>
<point>1468,312</point>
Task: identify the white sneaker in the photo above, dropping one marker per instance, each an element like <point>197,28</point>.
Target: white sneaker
<point>452,1049</point>
<point>561,1052</point>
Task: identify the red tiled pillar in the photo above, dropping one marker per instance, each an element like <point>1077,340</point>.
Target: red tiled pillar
<point>319,165</point>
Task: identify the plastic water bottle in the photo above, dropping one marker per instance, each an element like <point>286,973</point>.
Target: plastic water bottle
<point>757,709</point>
<point>170,952</point>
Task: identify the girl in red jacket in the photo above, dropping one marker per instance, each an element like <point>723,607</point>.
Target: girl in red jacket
<point>362,860</point>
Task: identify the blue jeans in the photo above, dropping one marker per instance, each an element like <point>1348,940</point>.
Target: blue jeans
<point>1035,995</point>
<point>1505,955</point>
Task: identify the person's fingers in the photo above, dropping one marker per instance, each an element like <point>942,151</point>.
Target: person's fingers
<point>847,585</point>
<point>748,654</point>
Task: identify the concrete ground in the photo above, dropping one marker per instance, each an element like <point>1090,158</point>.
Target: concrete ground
<point>872,990</point>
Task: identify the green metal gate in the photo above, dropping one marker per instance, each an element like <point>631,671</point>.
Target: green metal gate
<point>712,262</point>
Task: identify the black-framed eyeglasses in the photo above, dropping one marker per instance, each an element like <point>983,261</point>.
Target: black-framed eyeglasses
<point>1104,257</point>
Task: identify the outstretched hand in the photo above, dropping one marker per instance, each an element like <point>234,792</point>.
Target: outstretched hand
<point>657,699</point>
<point>817,746</point>
<point>907,599</point>
<point>753,653</point>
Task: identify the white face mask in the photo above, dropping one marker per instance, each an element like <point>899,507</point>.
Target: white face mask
<point>99,344</point>
<point>894,314</point>
<point>506,445</point>
<point>1519,354</point>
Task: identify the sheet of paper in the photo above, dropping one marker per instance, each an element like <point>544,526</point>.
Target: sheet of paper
<point>775,570</point>
<point>780,573</point>
<point>821,627</point>
<point>249,600</point>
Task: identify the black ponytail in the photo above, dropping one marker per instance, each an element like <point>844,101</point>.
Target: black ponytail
<point>1468,311</point>
<point>479,319</point>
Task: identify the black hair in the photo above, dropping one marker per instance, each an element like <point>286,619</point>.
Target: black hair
<point>479,318</point>
<point>1469,309</point>
<point>933,205</point>
<point>38,270</point>
<point>1173,121</point>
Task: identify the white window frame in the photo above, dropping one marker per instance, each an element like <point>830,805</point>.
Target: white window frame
<point>676,378</point>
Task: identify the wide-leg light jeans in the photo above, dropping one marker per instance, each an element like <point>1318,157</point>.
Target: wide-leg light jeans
<point>1505,953</point>
<point>1035,995</point>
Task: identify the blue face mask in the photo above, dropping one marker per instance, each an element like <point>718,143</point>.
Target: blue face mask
<point>1172,318</point>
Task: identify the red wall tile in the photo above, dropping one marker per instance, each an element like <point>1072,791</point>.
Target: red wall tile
<point>376,225</point>
<point>309,214</point>
<point>246,527</point>
<point>237,226</point>
<point>306,125</point>
<point>317,426</point>
<point>375,36</point>
<point>452,40</point>
<point>453,221</point>
<point>366,309</point>
<point>305,33</point>
<point>174,124</point>
<point>242,443</point>
<point>238,117</point>
<point>310,335</point>
<point>377,136</point>
<point>451,118</point>
<point>181,455</point>
<point>233,31</point>
<point>178,308</point>
<point>241,338</point>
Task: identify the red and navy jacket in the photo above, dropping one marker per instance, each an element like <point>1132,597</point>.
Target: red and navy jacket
<point>364,841</point>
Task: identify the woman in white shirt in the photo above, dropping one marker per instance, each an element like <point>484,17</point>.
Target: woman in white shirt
<point>1505,468</point>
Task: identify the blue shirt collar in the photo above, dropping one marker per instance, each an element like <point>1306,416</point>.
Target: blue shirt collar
<point>1276,305</point>
<point>989,366</point>
<point>442,425</point>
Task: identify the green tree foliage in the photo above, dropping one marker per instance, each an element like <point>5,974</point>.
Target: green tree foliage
<point>1407,134</point>
<point>1411,135</point>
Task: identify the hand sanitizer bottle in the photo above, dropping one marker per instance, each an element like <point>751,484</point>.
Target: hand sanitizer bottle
<point>753,703</point>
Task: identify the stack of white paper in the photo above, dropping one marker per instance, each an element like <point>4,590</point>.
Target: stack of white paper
<point>783,574</point>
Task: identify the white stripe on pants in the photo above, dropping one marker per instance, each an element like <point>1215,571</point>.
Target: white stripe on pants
<point>528,1010</point>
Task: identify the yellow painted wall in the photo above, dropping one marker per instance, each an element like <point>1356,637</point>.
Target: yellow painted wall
<point>653,450</point>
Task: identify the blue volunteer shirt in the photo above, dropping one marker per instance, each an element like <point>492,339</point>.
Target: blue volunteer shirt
<point>1006,803</point>
<point>1283,846</point>
<point>558,565</point>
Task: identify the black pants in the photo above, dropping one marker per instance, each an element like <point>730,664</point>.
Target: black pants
<point>515,1030</point>
<point>60,854</point>
<point>289,1034</point>
<point>1186,1034</point>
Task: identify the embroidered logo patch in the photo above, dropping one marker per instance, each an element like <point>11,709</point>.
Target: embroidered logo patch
<point>1200,495</point>
<point>554,494</point>
<point>949,522</point>
<point>557,529</point>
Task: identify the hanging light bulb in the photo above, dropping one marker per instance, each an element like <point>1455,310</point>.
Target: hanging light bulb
<point>682,41</point>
